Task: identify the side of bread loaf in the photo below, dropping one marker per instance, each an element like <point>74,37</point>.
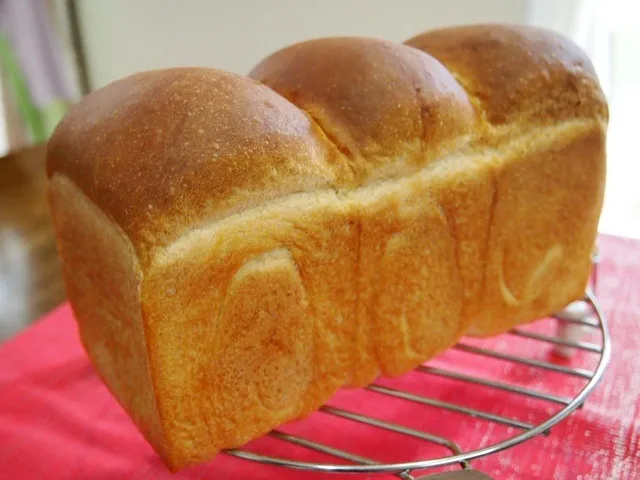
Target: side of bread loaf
<point>236,250</point>
<point>546,202</point>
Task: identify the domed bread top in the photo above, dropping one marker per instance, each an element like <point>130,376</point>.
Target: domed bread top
<point>518,73</point>
<point>385,105</point>
<point>164,151</point>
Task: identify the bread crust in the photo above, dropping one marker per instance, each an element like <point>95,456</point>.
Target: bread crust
<point>517,74</point>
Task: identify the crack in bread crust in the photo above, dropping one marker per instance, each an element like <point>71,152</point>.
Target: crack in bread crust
<point>539,139</point>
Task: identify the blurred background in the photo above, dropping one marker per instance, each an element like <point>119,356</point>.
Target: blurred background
<point>54,51</point>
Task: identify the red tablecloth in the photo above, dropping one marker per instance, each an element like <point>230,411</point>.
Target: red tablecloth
<point>57,421</point>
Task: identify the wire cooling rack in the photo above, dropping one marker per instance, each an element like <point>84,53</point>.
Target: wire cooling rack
<point>565,341</point>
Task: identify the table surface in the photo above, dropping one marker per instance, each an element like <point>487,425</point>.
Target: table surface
<point>59,422</point>
<point>30,276</point>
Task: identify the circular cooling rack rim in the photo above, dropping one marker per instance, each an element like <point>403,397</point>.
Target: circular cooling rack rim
<point>367,466</point>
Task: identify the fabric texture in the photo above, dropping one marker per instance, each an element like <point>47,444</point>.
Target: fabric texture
<point>58,421</point>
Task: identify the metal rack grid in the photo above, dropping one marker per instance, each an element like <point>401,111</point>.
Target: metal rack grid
<point>359,464</point>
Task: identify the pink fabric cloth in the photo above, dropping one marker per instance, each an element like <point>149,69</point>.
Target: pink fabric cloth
<point>57,421</point>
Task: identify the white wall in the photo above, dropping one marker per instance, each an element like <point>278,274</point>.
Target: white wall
<point>124,36</point>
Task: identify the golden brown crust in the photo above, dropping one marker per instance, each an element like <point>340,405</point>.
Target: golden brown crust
<point>389,108</point>
<point>543,226</point>
<point>256,248</point>
<point>102,278</point>
<point>518,73</point>
<point>164,151</point>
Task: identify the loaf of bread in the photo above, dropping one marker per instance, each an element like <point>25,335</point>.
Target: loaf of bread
<point>236,249</point>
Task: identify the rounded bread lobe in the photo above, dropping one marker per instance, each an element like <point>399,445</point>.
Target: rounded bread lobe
<point>164,151</point>
<point>387,107</point>
<point>518,73</point>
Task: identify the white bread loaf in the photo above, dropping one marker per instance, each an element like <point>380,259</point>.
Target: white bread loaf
<point>237,249</point>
